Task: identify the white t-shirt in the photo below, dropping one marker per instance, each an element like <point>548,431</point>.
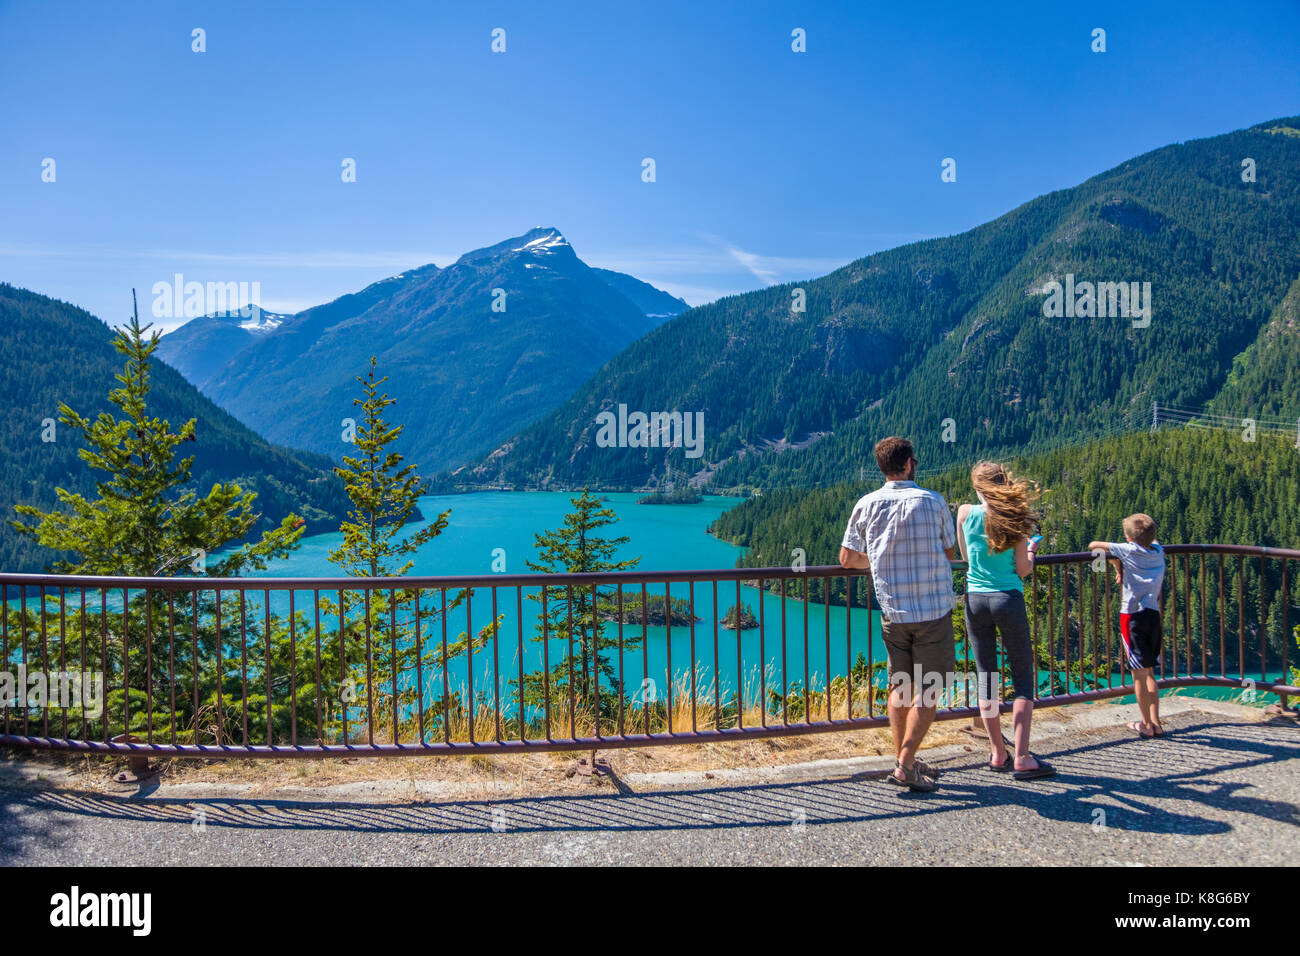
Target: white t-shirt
<point>1144,573</point>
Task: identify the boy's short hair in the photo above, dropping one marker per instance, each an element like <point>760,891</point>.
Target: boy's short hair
<point>893,454</point>
<point>1140,528</point>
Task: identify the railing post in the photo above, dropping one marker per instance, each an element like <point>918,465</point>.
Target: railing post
<point>138,767</point>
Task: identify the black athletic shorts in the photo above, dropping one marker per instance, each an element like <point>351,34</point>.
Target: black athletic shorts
<point>1142,637</point>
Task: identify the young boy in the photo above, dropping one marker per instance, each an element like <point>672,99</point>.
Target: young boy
<point>1140,563</point>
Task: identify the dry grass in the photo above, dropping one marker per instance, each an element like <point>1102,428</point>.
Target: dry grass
<point>484,775</point>
<point>521,774</point>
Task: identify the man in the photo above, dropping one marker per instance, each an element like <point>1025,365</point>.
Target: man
<point>905,536</point>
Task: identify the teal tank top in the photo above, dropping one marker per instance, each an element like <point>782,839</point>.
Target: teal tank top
<point>987,571</point>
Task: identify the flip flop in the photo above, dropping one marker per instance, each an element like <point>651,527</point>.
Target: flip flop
<point>1044,769</point>
<point>1006,766</point>
<point>1138,728</point>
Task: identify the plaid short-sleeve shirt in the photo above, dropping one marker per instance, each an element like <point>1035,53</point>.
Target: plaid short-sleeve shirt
<point>903,530</point>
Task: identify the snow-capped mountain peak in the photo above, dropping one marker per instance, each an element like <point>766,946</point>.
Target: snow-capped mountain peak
<point>544,243</point>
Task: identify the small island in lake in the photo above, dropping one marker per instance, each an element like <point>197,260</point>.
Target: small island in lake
<point>747,619</point>
<point>654,611</point>
<point>684,496</point>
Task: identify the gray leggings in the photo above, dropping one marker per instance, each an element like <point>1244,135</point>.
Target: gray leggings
<point>1003,612</point>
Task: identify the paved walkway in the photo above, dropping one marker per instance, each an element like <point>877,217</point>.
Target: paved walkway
<point>1216,790</point>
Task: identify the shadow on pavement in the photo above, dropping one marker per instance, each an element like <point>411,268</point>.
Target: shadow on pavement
<point>1127,779</point>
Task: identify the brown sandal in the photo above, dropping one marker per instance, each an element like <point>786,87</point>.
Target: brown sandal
<point>913,779</point>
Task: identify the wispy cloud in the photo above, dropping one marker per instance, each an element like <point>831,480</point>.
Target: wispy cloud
<point>713,269</point>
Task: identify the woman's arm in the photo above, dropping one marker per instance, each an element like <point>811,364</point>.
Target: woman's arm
<point>1024,558</point>
<point>962,512</point>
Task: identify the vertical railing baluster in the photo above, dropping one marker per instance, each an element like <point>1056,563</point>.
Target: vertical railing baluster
<point>740,671</point>
<point>848,652</point>
<point>645,656</point>
<point>519,615</point>
<point>22,696</point>
<point>1286,628</point>
<point>315,606</point>
<point>446,680</point>
<point>81,662</point>
<point>370,674</point>
<point>546,664</point>
<point>219,671</point>
<point>419,674</point>
<point>1187,618</point>
<point>1051,632</point>
<point>1241,617</point>
<point>103,650</point>
<point>785,686</point>
<point>807,677</point>
<point>1110,633</point>
<point>392,654</point>
<point>496,666</point>
<point>171,655</point>
<point>4,642</point>
<point>148,661</point>
<point>45,666</point>
<point>595,659</point>
<point>1033,623</point>
<point>293,666</point>
<point>690,594</point>
<point>1205,663</point>
<point>762,652</point>
<point>1096,635</point>
<point>573,716</point>
<point>622,687</point>
<point>243,663</point>
<point>717,674</point>
<point>345,698</point>
<point>1263,622</point>
<point>668,644</point>
<point>1065,624</point>
<point>63,661</point>
<point>826,607</point>
<point>469,660</point>
<point>1169,619</point>
<point>126,657</point>
<point>4,639</point>
<point>266,640</point>
<point>1223,623</point>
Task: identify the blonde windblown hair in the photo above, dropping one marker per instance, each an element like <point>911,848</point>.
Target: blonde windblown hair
<point>1009,515</point>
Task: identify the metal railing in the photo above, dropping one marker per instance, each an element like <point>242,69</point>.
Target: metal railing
<point>313,667</point>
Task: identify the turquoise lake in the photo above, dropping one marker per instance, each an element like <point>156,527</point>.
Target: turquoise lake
<point>666,538</point>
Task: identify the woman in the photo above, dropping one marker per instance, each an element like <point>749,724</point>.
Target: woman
<point>995,543</point>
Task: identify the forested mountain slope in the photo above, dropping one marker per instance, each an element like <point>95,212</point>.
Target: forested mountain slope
<point>949,338</point>
<point>53,352</point>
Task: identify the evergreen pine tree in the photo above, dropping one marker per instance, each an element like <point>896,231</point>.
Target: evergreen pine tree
<point>146,521</point>
<point>384,494</point>
<point>575,614</point>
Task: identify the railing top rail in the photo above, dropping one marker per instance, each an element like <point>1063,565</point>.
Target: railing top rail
<point>538,580</point>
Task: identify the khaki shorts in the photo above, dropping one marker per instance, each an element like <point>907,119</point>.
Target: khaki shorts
<point>927,645</point>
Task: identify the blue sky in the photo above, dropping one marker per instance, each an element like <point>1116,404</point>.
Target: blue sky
<point>771,165</point>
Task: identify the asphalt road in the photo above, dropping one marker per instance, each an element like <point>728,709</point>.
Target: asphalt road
<point>1213,791</point>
